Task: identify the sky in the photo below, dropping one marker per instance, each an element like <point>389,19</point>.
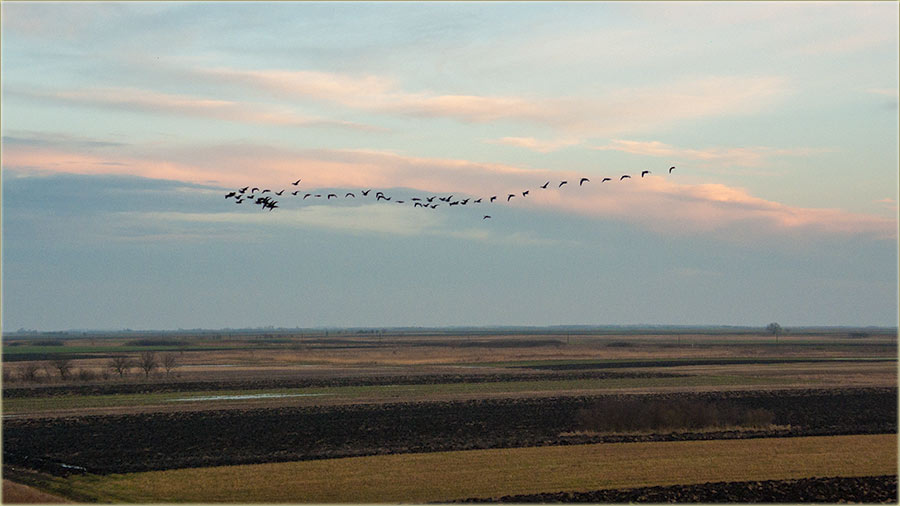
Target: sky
<point>125,125</point>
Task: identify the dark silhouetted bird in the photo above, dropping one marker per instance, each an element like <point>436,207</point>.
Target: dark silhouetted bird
<point>485,217</point>
<point>434,206</point>
<point>366,192</point>
<point>511,195</point>
<point>493,198</point>
<point>239,201</point>
<point>266,190</point>
<point>524,193</point>
<point>605,180</point>
<point>331,195</point>
<point>295,183</point>
<point>478,201</point>
<point>400,201</point>
<point>560,184</point>
<point>431,198</point>
<point>254,190</point>
<point>454,203</point>
<point>417,204</point>
<point>295,192</point>
<point>242,190</point>
<point>584,180</point>
<point>279,193</point>
<point>230,194</point>
<point>644,173</point>
<point>544,186</point>
<point>623,177</point>
<point>414,199</point>
<point>464,202</point>
<point>349,194</point>
<point>671,169</point>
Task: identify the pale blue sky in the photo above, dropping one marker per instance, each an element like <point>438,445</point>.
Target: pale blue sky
<point>124,124</point>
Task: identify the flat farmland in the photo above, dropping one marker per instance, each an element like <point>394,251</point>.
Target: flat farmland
<point>231,403</point>
<point>447,476</point>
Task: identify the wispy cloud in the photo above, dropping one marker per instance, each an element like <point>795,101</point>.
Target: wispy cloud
<point>619,111</point>
<point>535,144</point>
<point>141,100</point>
<point>752,156</point>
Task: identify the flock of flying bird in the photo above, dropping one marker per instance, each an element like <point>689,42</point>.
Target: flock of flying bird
<point>255,196</point>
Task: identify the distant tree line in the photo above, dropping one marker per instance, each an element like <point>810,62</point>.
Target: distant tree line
<point>119,366</point>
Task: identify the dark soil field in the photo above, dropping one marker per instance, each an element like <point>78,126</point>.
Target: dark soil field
<point>328,382</point>
<point>156,441</point>
<point>869,490</point>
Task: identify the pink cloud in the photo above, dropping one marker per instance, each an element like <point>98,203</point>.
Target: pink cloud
<point>656,201</point>
<point>753,156</point>
<point>533,144</point>
<point>618,111</point>
<point>150,101</point>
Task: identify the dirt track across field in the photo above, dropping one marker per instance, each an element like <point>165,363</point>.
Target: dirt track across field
<point>16,493</point>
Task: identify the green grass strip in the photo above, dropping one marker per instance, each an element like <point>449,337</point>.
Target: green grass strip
<point>375,392</point>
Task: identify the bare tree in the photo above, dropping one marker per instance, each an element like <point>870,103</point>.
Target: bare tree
<point>775,329</point>
<point>63,366</point>
<point>120,364</point>
<point>148,362</point>
<point>29,371</point>
<point>169,362</point>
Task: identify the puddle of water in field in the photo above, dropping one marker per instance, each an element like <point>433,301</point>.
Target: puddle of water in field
<point>241,397</point>
<point>207,365</point>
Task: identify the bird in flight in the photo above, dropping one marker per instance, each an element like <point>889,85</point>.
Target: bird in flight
<point>511,195</point>
<point>485,217</point>
<point>230,194</point>
<point>605,180</point>
<point>349,194</point>
<point>671,169</point>
<point>295,192</point>
<point>366,192</point>
<point>279,193</point>
<point>583,180</point>
<point>242,190</point>
<point>544,186</point>
<point>331,195</point>
<point>560,184</point>
<point>524,193</point>
<point>623,177</point>
<point>295,183</point>
<point>644,173</point>
<point>493,198</point>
